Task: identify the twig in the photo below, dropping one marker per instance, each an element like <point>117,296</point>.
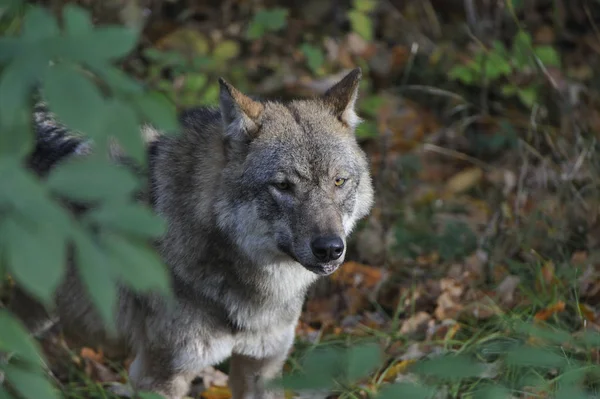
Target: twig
<point>414,49</point>
<point>435,91</point>
<point>458,155</point>
<point>471,14</point>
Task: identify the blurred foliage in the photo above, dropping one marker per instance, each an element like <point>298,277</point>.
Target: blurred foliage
<point>498,65</point>
<point>73,65</point>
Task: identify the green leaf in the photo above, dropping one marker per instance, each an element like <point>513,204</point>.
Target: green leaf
<point>16,83</point>
<point>211,94</point>
<point>572,392</point>
<point>29,384</point>
<point>122,118</point>
<point>118,81</point>
<point>129,218</point>
<point>111,43</point>
<point>150,395</point>
<point>365,5</point>
<point>497,66</point>
<point>14,337</point>
<point>406,390</point>
<point>324,366</point>
<point>77,20</point>
<point>136,264</point>
<point>10,6</point>
<point>17,141</point>
<point>95,271</point>
<point>500,49</point>
<point>267,20</point>
<point>314,56</point>
<point>91,179</point>
<point>367,130</point>
<point>492,392</point>
<point>548,56</point>
<point>515,5</point>
<point>521,50</point>
<point>321,367</point>
<point>80,108</point>
<point>10,47</point>
<point>527,356</point>
<point>370,105</point>
<point>39,24</point>
<point>462,73</point>
<point>195,82</point>
<point>361,360</point>
<point>99,46</point>
<point>528,96</point>
<point>274,19</point>
<point>158,110</point>
<point>36,256</point>
<point>26,194</point>
<point>450,367</point>
<point>457,240</point>
<point>4,394</point>
<point>165,58</point>
<point>589,339</point>
<point>509,90</point>
<point>255,31</point>
<point>226,50</point>
<point>553,335</point>
<point>361,24</point>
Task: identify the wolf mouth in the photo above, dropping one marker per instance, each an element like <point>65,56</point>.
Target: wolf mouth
<point>319,269</point>
<point>322,270</point>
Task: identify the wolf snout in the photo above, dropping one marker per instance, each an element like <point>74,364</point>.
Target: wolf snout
<point>327,248</point>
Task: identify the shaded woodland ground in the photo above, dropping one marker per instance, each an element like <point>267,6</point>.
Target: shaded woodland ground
<point>481,124</point>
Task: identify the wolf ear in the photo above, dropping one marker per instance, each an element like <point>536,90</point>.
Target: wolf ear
<point>342,96</point>
<point>240,109</point>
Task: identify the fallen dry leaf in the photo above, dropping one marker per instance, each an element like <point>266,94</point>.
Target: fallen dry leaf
<point>475,265</point>
<point>579,258</point>
<point>444,331</point>
<point>548,272</point>
<point>371,244</point>
<point>545,314</point>
<point>449,302</point>
<point>89,353</point>
<point>416,324</point>
<point>452,286</point>
<point>186,40</point>
<point>481,306</point>
<point>452,332</point>
<point>587,312</point>
<point>463,181</point>
<point>448,307</point>
<point>216,392</point>
<point>548,277</point>
<point>506,289</point>
<point>398,368</point>
<point>357,275</point>
<point>99,372</point>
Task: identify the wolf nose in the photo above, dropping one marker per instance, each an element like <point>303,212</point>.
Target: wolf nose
<point>327,248</point>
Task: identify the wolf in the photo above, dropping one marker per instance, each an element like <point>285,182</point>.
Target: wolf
<point>259,197</point>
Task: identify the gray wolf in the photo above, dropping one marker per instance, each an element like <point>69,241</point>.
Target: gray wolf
<point>259,199</point>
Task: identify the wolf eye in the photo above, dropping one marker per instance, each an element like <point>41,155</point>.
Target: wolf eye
<point>339,182</point>
<point>283,186</point>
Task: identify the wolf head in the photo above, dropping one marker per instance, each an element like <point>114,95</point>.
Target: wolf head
<point>295,180</point>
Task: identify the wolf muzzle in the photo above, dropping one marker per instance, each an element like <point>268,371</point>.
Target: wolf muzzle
<point>327,248</point>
